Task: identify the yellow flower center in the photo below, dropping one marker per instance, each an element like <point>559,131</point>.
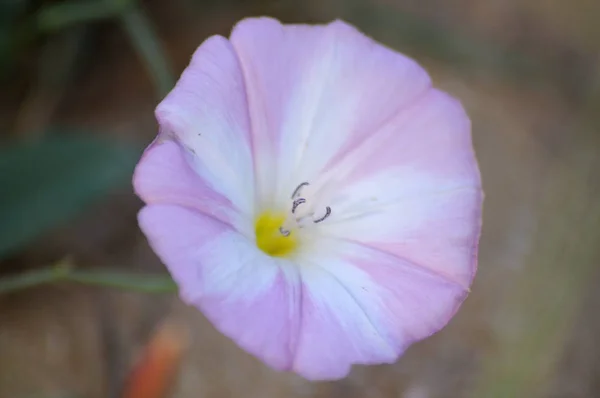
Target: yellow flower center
<point>270,238</point>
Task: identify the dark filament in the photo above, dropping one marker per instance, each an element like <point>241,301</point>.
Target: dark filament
<point>297,190</point>
<point>327,214</point>
<point>297,203</point>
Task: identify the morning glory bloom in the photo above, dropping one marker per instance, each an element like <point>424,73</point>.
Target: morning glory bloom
<point>313,196</point>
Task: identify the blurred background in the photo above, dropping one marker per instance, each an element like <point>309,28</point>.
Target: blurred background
<point>79,83</point>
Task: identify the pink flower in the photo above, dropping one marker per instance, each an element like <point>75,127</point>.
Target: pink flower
<point>313,196</point>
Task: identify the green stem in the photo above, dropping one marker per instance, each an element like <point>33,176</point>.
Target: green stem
<point>101,278</point>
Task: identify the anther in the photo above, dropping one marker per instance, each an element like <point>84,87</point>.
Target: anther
<point>327,214</point>
<point>297,203</point>
<point>297,190</point>
<point>284,232</point>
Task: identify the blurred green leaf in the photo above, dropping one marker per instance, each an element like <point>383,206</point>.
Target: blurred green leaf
<point>45,182</point>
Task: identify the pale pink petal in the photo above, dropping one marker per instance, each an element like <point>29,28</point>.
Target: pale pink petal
<point>414,190</point>
<point>314,91</point>
<point>207,112</point>
<point>164,176</point>
<point>362,306</point>
<point>250,297</point>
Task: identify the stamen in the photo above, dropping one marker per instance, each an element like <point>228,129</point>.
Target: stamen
<point>327,214</point>
<point>297,190</point>
<point>297,203</point>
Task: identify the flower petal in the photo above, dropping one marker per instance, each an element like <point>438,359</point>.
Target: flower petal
<point>208,114</point>
<point>314,91</point>
<point>250,297</point>
<point>362,306</point>
<point>414,191</point>
<point>164,176</point>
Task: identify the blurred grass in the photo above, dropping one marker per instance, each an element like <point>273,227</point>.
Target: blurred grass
<point>134,21</point>
<point>20,31</point>
<point>147,44</point>
<point>61,15</point>
<point>58,62</point>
